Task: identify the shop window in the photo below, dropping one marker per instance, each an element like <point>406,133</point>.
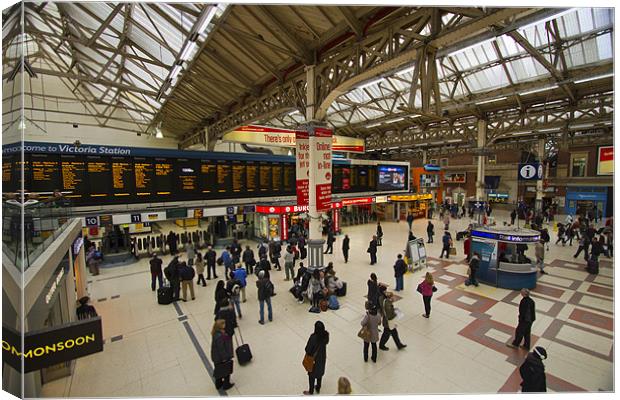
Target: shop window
<point>433,161</point>
<point>443,162</point>
<point>578,164</point>
<point>492,159</point>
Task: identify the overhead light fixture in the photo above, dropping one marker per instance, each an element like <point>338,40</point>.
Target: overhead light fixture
<point>189,47</point>
<point>592,78</point>
<point>538,90</point>
<point>158,133</point>
<point>491,100</point>
<point>395,120</point>
<point>547,130</point>
<point>373,125</point>
<point>175,72</point>
<point>371,83</point>
<point>289,153</point>
<point>521,133</point>
<point>475,45</point>
<point>549,18</point>
<point>294,112</point>
<point>22,124</point>
<point>581,126</point>
<point>207,19</point>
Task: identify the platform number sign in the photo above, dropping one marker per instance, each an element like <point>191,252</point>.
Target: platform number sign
<point>135,218</point>
<point>91,221</point>
<point>530,171</point>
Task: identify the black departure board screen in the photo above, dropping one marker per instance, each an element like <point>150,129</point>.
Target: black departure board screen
<point>224,180</point>
<point>144,171</point>
<point>45,173</point>
<point>188,172</point>
<point>362,178</point>
<point>9,173</point>
<point>276,178</point>
<point>123,179</point>
<point>288,178</point>
<point>99,176</point>
<point>164,177</point>
<point>74,177</point>
<point>251,177</point>
<point>372,177</point>
<point>264,177</point>
<point>208,176</point>
<point>337,179</point>
<point>238,176</point>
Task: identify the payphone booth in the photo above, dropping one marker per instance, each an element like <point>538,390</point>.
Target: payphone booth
<point>507,257</point>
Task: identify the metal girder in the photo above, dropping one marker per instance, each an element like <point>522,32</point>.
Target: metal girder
<point>352,20</point>
<point>259,40</point>
<point>105,24</point>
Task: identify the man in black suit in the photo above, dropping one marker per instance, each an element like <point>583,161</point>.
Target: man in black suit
<point>527,316</point>
<point>345,248</point>
<point>372,250</point>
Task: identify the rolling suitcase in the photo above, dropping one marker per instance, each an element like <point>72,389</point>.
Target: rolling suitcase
<point>243,352</point>
<point>342,291</point>
<point>164,294</point>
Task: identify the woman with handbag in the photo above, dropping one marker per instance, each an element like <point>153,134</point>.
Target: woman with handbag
<point>427,288</point>
<point>316,357</point>
<point>221,355</point>
<point>370,331</point>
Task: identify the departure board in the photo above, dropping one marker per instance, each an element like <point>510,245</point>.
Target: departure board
<point>337,178</point>
<point>362,178</point>
<point>188,171</point>
<point>346,179</point>
<point>238,176</point>
<point>264,177</point>
<point>276,178</point>
<point>74,176</point>
<point>372,177</point>
<point>123,180</point>
<point>99,176</point>
<point>224,180</point>
<point>354,178</point>
<point>289,182</point>
<point>251,174</point>
<point>164,177</point>
<point>45,173</point>
<point>208,176</point>
<point>8,174</point>
<point>144,171</point>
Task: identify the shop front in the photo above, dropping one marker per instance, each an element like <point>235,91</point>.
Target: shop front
<point>415,204</point>
<point>581,200</point>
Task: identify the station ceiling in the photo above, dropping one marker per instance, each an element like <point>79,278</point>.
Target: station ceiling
<point>400,77</point>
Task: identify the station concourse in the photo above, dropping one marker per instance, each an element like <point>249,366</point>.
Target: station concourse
<point>139,129</point>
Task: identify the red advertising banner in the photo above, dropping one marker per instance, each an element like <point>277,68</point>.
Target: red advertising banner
<point>336,218</point>
<point>322,143</point>
<point>358,200</point>
<point>302,164</point>
<point>605,164</point>
<point>284,230</point>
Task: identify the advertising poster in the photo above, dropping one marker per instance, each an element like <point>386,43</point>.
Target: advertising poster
<point>322,142</point>
<point>302,164</point>
<point>605,165</point>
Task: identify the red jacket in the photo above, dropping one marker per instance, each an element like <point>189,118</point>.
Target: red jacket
<point>426,289</point>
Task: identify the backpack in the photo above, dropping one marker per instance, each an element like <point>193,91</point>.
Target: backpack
<point>333,303</point>
<point>269,288</point>
<point>388,309</point>
<point>188,273</point>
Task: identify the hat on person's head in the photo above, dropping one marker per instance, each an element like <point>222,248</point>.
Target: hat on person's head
<point>84,300</point>
<point>542,353</point>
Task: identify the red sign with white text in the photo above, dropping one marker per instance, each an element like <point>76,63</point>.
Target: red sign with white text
<point>358,200</point>
<point>336,218</point>
<point>322,147</point>
<point>302,164</point>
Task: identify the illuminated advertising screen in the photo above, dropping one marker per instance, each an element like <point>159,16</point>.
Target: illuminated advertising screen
<point>392,177</point>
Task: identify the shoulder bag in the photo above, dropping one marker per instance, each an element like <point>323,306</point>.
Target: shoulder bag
<point>308,362</point>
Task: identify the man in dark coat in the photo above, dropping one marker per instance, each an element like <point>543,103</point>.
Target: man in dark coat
<point>527,316</point>
<point>330,242</point>
<point>372,250</point>
<point>410,220</point>
<point>317,347</point>
<point>430,231</point>
<point>156,272</point>
<point>474,264</point>
<point>227,313</point>
<point>210,257</point>
<point>533,371</point>
<point>248,259</point>
<point>513,216</point>
<point>379,235</point>
<point>446,241</point>
<point>399,271</point>
<point>172,274</point>
<point>345,248</point>
<point>235,251</point>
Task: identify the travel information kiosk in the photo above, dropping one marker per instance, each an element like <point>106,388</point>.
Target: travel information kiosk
<point>507,258</point>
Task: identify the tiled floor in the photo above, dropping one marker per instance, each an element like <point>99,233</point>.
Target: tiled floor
<point>165,350</point>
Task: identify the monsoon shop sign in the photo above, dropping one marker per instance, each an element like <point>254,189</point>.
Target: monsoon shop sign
<point>52,346</point>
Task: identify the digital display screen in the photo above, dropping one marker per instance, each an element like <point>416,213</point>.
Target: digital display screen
<point>164,177</point>
<point>288,177</point>
<point>362,178</point>
<point>123,181</point>
<point>238,176</point>
<point>224,180</point>
<point>145,177</point>
<point>251,175</point>
<point>276,178</point>
<point>74,177</point>
<point>208,176</point>
<point>99,176</point>
<point>45,173</point>
<point>188,173</point>
<point>264,177</point>
<point>9,174</point>
<point>392,177</point>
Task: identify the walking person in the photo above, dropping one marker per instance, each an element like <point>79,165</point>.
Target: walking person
<point>371,322</point>
<point>248,259</point>
<point>474,264</point>
<point>539,250</point>
<point>583,246</point>
<point>200,269</point>
<point>187,275</point>
<point>446,221</point>
<point>289,263</point>
<point>447,243</point>
<point>372,250</point>
<point>410,220</point>
<point>399,271</point>
<point>265,291</point>
<point>227,313</point>
<point>221,355</point>
<point>561,234</point>
<point>426,288</point>
<point>190,252</point>
<point>227,260</point>
<point>373,290</point>
<point>233,290</point>
<point>389,327</point>
<point>527,316</point>
<point>241,275</point>
<point>430,231</point>
<point>210,258</point>
<point>317,349</point>
<point>156,272</point>
<point>220,295</point>
<point>330,242</point>
<point>345,248</point>
<point>532,371</point>
<point>379,233</point>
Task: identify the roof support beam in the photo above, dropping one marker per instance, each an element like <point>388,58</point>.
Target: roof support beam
<point>352,20</point>
<point>105,24</point>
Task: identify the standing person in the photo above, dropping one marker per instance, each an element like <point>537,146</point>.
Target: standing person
<point>540,255</point>
<point>263,265</point>
<point>372,250</point>
<point>301,243</point>
<point>527,316</point>
<point>467,245</point>
<point>315,290</point>
<point>430,231</point>
<point>379,233</point>
<point>345,248</point>
<point>447,243</point>
<point>235,251</point>
<point>85,310</point>
<point>265,291</point>
<point>330,242</point>
<point>371,321</point>
<point>210,257</point>
<point>431,209</point>
<point>389,328</point>
<point>399,271</point>
<point>426,289</point>
<point>317,348</point>
<point>227,313</point>
<point>373,290</point>
<point>561,234</point>
<point>513,216</point>
<point>171,239</point>
<point>221,355</point>
<point>190,252</point>
<point>156,272</point>
<point>187,275</point>
<point>241,276</point>
<point>248,259</point>
<point>227,260</point>
<point>200,269</point>
<point>446,222</point>
<point>277,253</point>
<point>172,274</point>
<point>474,264</point>
<point>410,220</point>
<point>220,295</point>
<point>532,371</point>
<point>233,290</point>
<point>289,263</point>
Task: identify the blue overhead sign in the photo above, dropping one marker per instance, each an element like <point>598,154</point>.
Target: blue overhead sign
<point>530,171</point>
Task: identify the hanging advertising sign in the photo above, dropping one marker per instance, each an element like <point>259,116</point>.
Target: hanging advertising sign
<point>605,164</point>
<point>321,144</point>
<point>358,201</point>
<point>302,164</point>
<point>284,230</point>
<point>458,177</point>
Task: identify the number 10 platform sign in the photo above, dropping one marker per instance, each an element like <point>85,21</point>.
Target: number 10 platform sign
<point>302,163</point>
<point>322,146</point>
